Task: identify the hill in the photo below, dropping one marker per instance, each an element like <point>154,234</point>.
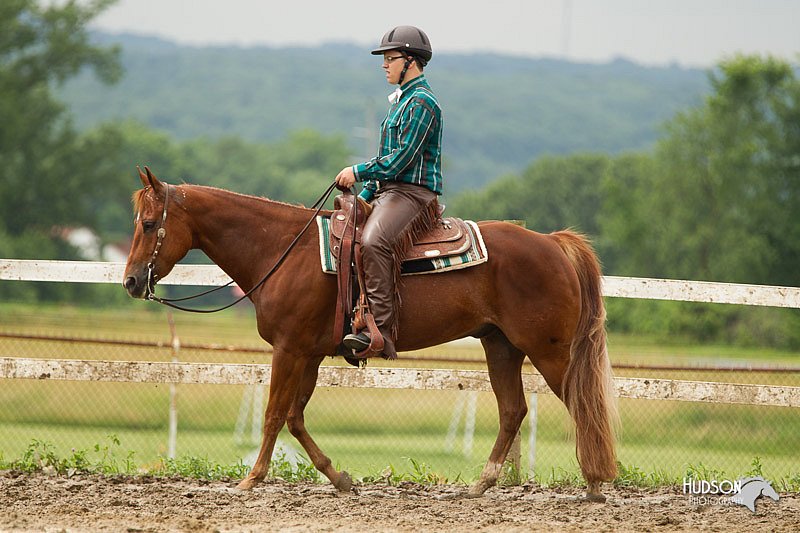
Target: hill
<point>501,112</point>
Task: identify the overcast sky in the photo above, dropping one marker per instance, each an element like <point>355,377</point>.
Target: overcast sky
<point>655,32</point>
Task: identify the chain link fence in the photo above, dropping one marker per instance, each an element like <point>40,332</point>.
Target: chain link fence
<point>369,432</point>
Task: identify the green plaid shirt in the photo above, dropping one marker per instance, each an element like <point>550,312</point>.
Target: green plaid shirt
<point>411,142</point>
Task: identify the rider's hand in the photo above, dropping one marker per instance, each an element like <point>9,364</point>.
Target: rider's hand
<point>346,178</point>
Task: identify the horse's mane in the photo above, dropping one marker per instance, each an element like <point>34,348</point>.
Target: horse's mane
<point>247,196</point>
<point>137,198</point>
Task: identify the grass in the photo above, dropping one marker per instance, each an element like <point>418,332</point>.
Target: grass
<point>394,435</point>
<point>40,456</point>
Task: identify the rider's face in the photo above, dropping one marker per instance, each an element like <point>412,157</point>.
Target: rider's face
<point>393,63</point>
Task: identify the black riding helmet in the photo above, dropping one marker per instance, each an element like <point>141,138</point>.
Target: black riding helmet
<point>408,39</point>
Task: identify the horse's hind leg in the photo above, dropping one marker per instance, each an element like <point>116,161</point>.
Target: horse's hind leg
<point>553,365</point>
<point>297,427</point>
<point>505,373</point>
<point>287,371</point>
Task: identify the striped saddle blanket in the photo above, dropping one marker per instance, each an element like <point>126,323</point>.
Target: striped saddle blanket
<point>429,261</point>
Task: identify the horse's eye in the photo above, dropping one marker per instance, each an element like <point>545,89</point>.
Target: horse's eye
<point>148,225</point>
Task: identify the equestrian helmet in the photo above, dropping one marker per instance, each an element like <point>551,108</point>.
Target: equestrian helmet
<point>408,39</point>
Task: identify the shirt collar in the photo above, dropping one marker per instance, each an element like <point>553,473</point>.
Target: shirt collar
<point>403,89</point>
<point>409,84</point>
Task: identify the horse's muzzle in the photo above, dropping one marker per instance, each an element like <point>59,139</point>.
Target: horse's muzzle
<point>135,285</point>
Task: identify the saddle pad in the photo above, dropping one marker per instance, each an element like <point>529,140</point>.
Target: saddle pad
<point>475,255</point>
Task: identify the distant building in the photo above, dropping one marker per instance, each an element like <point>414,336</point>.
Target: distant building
<point>91,248</point>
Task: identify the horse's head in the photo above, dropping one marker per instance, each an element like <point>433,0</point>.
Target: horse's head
<point>161,236</point>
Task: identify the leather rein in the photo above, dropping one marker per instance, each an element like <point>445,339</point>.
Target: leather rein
<point>152,278</point>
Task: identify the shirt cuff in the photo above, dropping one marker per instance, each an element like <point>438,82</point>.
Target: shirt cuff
<point>366,194</point>
<point>360,171</point>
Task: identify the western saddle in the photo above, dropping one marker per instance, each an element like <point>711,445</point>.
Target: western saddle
<point>448,237</point>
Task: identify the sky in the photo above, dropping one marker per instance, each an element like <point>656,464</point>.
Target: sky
<point>691,33</point>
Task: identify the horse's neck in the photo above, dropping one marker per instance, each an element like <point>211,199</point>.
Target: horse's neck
<point>242,234</point>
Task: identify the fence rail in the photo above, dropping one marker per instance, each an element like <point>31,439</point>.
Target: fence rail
<point>266,349</point>
<point>380,378</point>
<point>472,381</point>
<point>615,286</point>
<point>393,378</point>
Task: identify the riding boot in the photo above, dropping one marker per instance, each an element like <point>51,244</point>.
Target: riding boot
<point>399,211</point>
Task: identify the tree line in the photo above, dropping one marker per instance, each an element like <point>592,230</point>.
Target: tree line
<point>499,112</point>
<point>717,197</point>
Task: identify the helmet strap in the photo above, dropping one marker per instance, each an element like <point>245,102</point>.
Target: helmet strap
<point>407,64</point>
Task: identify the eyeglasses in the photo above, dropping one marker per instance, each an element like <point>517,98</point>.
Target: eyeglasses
<point>390,59</point>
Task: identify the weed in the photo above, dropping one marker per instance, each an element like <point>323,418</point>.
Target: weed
<point>559,477</point>
<point>633,476</point>
<point>386,476</point>
<point>756,468</point>
<point>103,459</point>
<point>108,463</point>
<point>791,483</point>
<point>512,475</point>
<point>41,455</point>
<point>301,470</point>
<point>702,472</point>
<point>421,473</point>
<point>200,468</point>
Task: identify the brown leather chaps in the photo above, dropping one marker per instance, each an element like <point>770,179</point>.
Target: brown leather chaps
<point>400,211</point>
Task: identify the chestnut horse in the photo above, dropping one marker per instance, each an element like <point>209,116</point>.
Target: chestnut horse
<point>538,296</point>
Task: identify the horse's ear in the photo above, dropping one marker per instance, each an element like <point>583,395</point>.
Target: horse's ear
<point>143,177</point>
<point>153,181</point>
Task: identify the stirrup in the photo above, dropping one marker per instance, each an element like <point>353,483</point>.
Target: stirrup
<point>373,334</point>
<point>358,342</point>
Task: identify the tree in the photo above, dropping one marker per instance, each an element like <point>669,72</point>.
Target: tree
<point>626,225</point>
<point>296,169</point>
<point>41,176</point>
<point>551,194</point>
<point>727,194</point>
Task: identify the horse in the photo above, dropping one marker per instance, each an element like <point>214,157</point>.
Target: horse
<point>538,296</point>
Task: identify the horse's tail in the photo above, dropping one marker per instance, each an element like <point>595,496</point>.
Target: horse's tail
<point>588,389</point>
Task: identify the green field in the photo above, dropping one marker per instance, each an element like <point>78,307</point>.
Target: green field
<point>365,431</point>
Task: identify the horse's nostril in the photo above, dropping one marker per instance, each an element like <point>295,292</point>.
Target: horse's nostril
<point>130,282</point>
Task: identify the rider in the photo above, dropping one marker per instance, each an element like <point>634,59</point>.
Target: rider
<point>402,182</point>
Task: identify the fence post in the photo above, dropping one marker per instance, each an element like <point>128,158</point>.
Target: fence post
<point>464,402</point>
<point>533,415</point>
<point>172,441</point>
<point>514,457</point>
<point>514,453</point>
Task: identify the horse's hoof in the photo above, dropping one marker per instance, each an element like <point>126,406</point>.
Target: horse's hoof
<point>476,491</point>
<point>246,484</point>
<point>344,483</point>
<point>595,497</point>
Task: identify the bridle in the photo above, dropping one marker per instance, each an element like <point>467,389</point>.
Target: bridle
<point>162,232</point>
<point>152,278</point>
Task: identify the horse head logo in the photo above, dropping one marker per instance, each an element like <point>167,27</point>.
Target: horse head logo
<point>751,489</point>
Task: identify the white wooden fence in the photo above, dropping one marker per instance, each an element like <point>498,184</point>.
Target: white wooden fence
<point>693,291</point>
<point>394,378</point>
<point>622,287</point>
<point>380,378</point>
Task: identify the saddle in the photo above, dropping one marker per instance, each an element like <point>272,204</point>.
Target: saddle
<point>448,237</point>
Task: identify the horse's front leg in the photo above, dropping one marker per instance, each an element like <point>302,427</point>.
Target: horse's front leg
<point>296,423</point>
<point>285,377</point>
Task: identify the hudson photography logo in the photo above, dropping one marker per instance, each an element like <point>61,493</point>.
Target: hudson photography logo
<point>744,491</point>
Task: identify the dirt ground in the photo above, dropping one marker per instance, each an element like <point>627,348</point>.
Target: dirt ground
<point>93,503</point>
